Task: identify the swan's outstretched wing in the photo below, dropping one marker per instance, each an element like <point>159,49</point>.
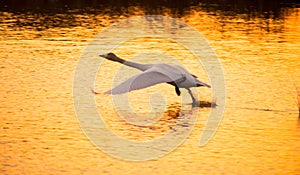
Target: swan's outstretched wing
<point>143,80</point>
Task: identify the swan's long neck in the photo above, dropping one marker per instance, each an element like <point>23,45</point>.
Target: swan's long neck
<point>139,66</point>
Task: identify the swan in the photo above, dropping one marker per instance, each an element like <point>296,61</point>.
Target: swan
<point>154,74</point>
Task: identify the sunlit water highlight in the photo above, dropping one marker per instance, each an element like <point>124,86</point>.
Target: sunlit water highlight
<point>259,133</point>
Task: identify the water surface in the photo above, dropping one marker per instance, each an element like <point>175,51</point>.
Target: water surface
<point>258,47</point>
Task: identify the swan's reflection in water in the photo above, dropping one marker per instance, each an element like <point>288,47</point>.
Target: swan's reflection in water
<point>158,122</point>
<point>176,117</point>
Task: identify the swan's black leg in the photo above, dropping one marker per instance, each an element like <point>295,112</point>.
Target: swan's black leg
<point>195,102</point>
<point>175,83</point>
<point>177,90</point>
<point>180,80</point>
<point>190,92</point>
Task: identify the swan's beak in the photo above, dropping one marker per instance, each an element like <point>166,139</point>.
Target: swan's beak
<point>102,56</point>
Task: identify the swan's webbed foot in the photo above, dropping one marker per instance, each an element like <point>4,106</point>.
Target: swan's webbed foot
<point>196,104</point>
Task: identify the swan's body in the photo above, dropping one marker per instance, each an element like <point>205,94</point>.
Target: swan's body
<point>154,74</point>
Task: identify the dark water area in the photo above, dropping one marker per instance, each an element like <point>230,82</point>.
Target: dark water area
<point>53,13</point>
<point>176,6</point>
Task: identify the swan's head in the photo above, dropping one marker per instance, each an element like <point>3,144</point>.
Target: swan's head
<point>110,56</point>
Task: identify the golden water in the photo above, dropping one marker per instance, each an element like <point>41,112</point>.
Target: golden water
<point>259,133</point>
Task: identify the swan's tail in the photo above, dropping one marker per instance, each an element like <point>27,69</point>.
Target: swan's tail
<point>199,83</point>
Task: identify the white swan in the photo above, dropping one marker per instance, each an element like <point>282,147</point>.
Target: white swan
<point>154,74</point>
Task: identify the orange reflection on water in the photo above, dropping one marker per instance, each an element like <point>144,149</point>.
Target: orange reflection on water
<point>259,134</point>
